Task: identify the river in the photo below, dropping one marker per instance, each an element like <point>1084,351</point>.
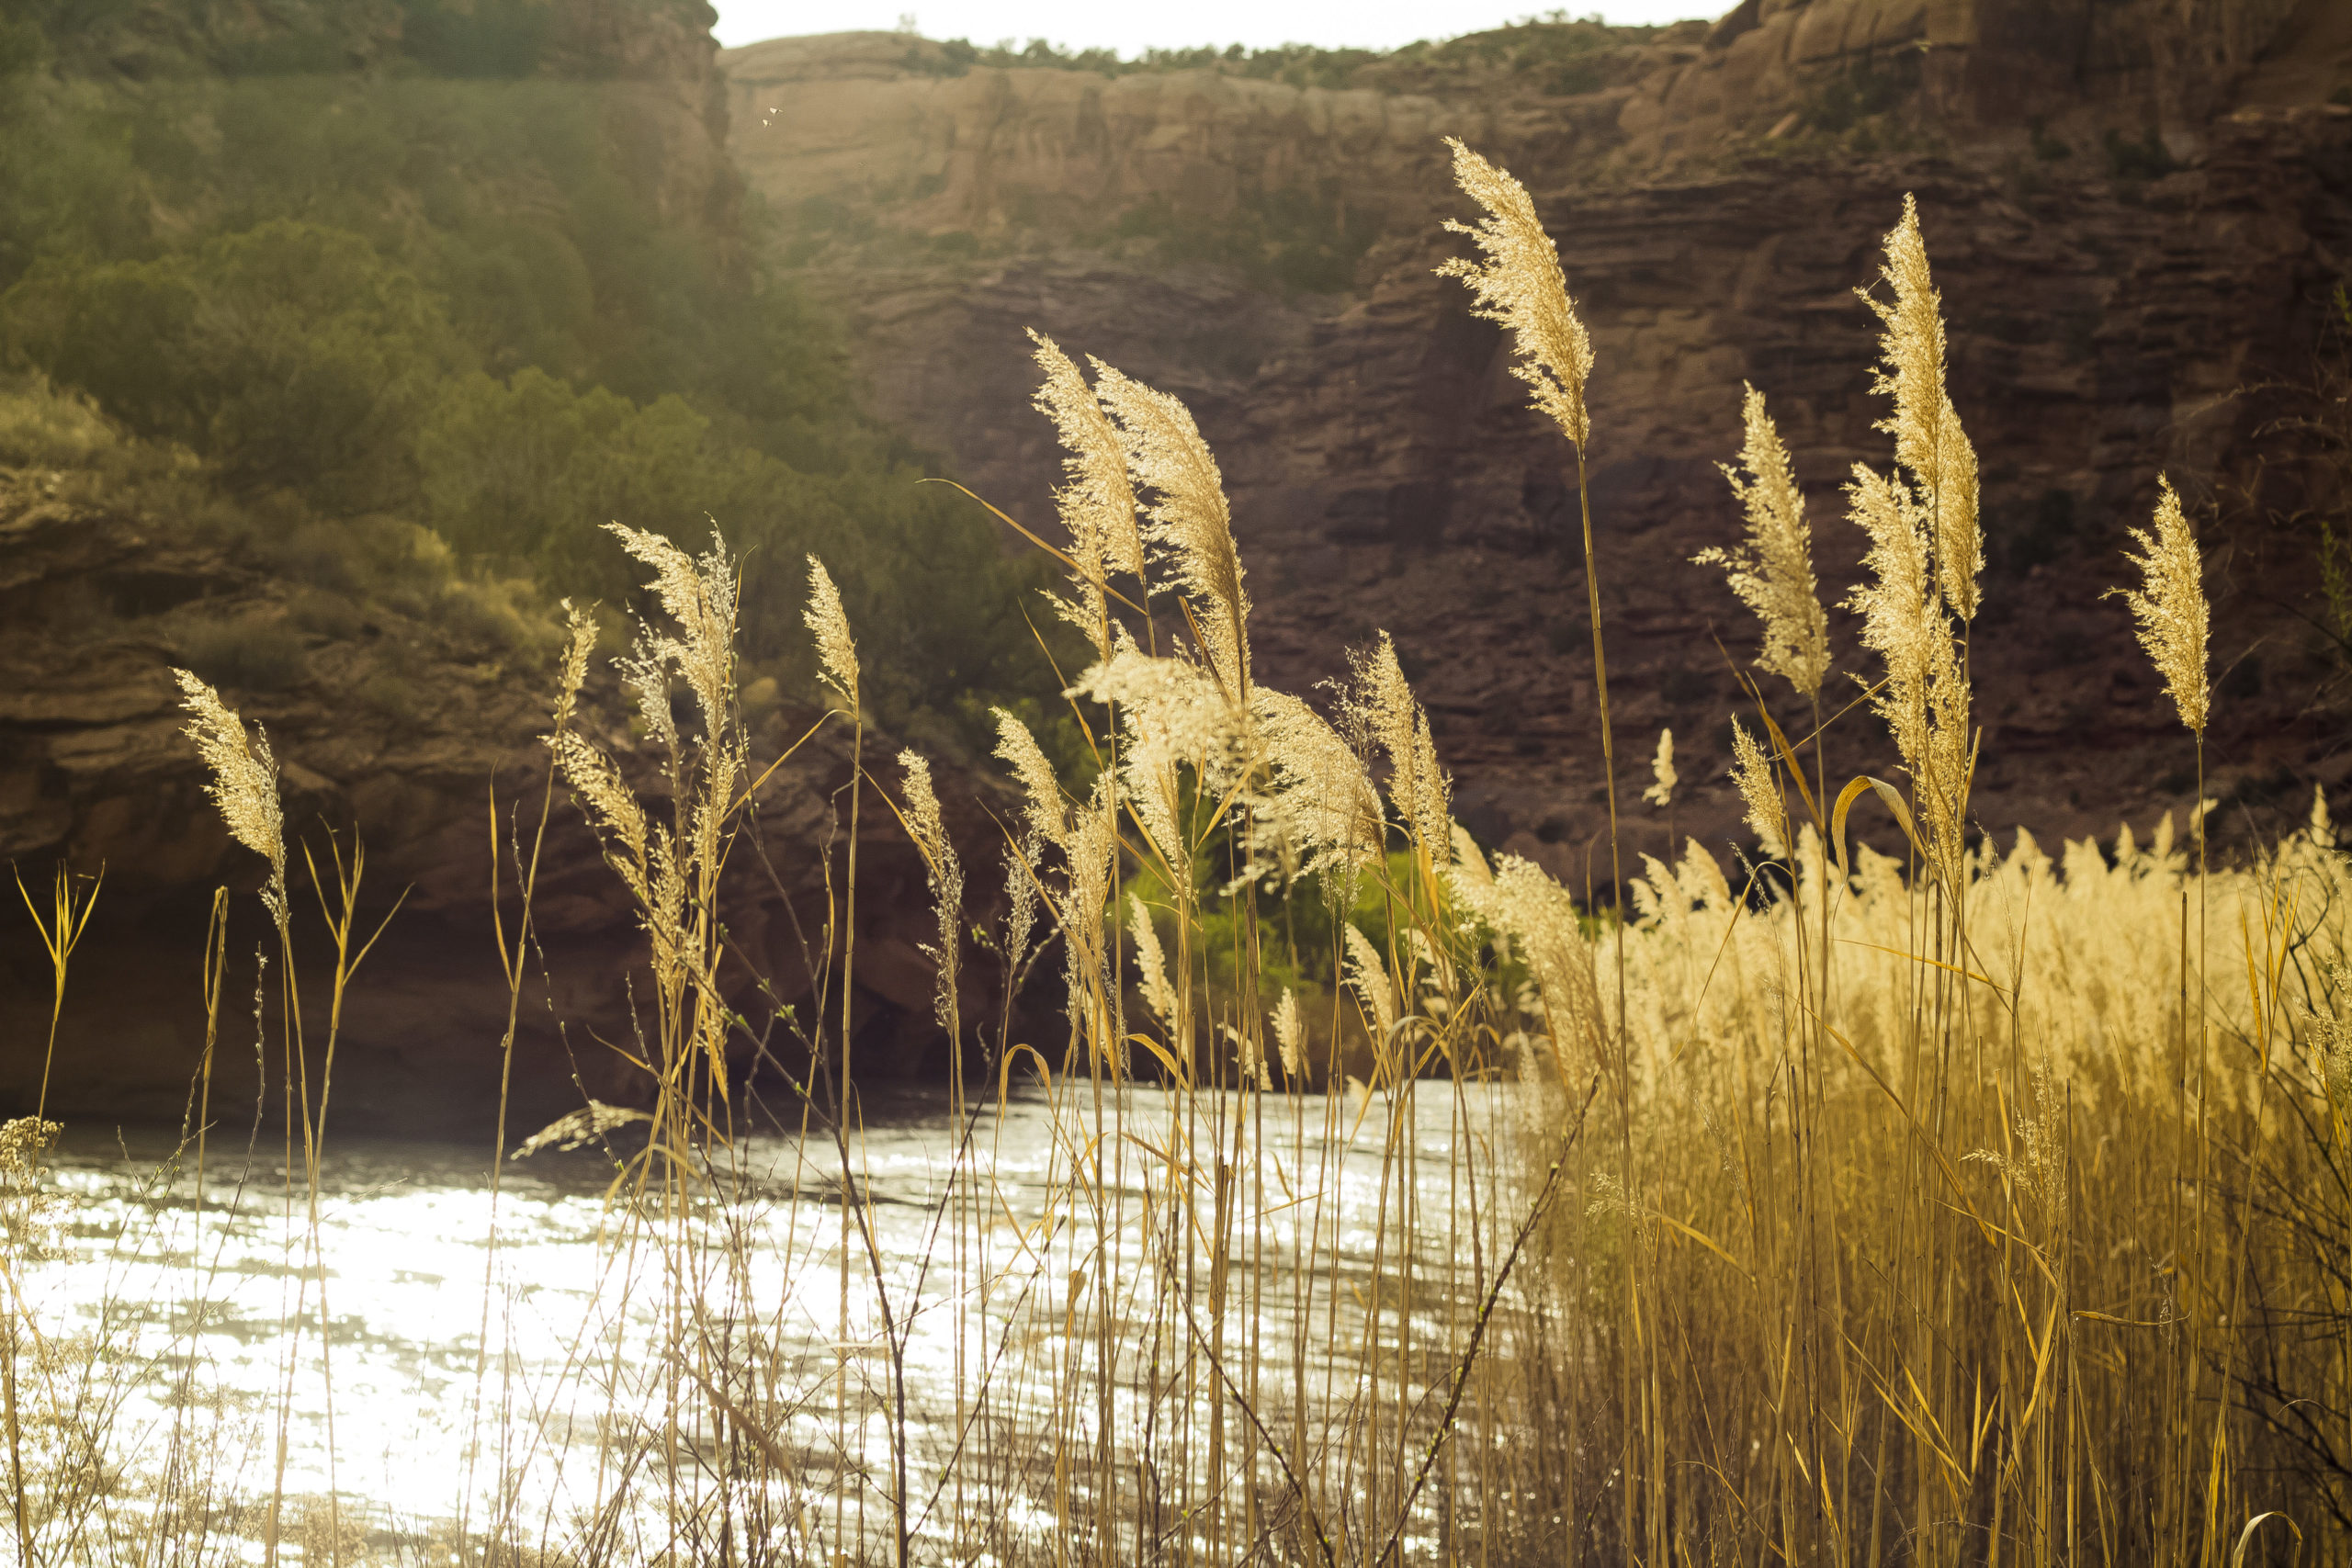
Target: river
<point>467,1393</point>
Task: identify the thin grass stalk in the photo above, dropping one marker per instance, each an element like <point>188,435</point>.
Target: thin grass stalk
<point>60,934</point>
<point>574,669</point>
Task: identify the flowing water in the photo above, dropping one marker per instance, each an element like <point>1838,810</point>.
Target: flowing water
<point>503,1391</point>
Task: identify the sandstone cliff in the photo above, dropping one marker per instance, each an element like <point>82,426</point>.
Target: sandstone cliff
<point>2136,213</point>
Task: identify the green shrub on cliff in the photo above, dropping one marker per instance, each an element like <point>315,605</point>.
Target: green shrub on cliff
<point>41,427</point>
<point>1552,50</point>
<point>449,294</point>
<point>294,357</point>
<point>511,467</point>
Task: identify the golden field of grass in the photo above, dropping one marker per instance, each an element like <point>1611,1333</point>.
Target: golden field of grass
<point>1972,1205</point>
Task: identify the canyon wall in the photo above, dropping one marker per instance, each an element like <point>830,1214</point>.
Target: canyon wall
<point>2136,213</point>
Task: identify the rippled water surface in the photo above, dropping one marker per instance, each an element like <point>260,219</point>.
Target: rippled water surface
<point>202,1320</point>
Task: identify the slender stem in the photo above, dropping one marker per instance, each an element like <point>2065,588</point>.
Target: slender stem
<point>1627,1186</point>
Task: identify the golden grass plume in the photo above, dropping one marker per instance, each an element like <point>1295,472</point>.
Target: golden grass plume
<point>1663,778</point>
<point>1323,800</point>
<point>1771,569</point>
<point>1151,964</point>
<point>1752,772</point>
<point>1520,284</point>
<point>699,595</point>
<point>1048,819</point>
<point>1098,503</point>
<point>825,618</point>
<point>579,641</point>
<point>1928,441</point>
<point>2169,607</point>
<point>1188,517</point>
<point>1368,972</point>
<point>1383,712</point>
<point>244,781</point>
<point>929,831</point>
<point>1290,1034</point>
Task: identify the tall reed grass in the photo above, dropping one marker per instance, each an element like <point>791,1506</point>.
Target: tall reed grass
<point>1962,1205</point>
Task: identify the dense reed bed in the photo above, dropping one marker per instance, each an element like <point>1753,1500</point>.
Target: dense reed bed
<point>1966,1205</point>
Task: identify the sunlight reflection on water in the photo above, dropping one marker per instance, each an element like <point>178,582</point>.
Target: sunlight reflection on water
<point>403,1231</point>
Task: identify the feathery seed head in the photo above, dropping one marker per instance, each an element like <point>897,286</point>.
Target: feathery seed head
<point>1912,349</point>
<point>1290,1034</point>
<point>2329,1029</point>
<point>1322,797</point>
<point>1927,549</point>
<point>1019,749</point>
<point>946,876</point>
<point>1175,716</point>
<point>1929,440</point>
<point>1151,965</point>
<point>1020,899</point>
<point>698,596</point>
<point>1468,861</point>
<point>1771,569</point>
<point>924,821</point>
<point>1383,710</point>
<point>1752,771</point>
<point>1896,604</point>
<point>1924,699</point>
<point>613,811</point>
<point>1522,902</point>
<point>2170,607</point>
<point>1090,853</point>
<point>244,781</point>
<point>1172,702</point>
<point>579,641</point>
<point>1960,540</point>
<point>1661,791</point>
<point>1368,972</point>
<point>1520,284</point>
<point>1188,517</point>
<point>836,653</point>
<point>1097,504</point>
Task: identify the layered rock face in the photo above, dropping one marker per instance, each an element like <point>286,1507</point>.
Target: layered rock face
<point>416,734</point>
<point>2135,212</point>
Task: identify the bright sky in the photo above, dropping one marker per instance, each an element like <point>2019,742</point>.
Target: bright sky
<point>1257,24</point>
